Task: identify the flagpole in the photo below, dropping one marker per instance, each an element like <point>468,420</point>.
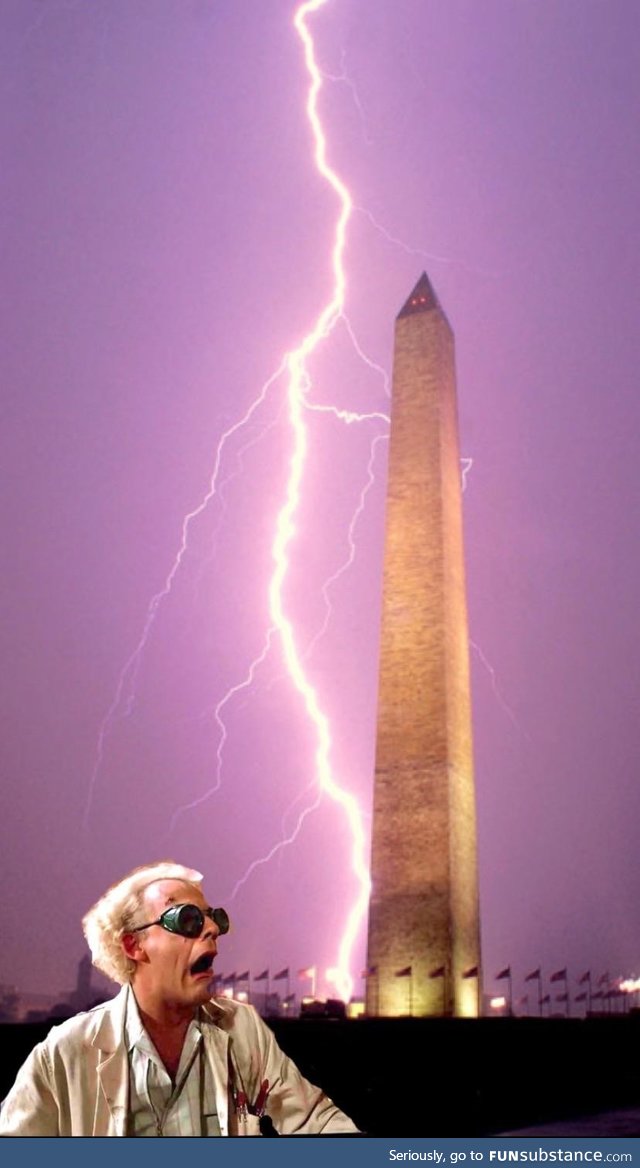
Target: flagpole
<point>510,994</point>
<point>411,993</point>
<point>313,982</point>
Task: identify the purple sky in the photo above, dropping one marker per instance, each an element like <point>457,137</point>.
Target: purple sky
<point>165,241</point>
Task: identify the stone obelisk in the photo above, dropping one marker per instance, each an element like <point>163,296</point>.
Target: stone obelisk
<point>423,944</point>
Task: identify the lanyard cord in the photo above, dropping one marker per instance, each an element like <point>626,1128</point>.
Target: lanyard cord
<point>177,1092</point>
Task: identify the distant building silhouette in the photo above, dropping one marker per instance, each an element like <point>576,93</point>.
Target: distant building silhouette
<point>9,1003</point>
<point>83,995</point>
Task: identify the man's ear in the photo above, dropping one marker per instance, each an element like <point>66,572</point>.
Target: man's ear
<point>132,946</point>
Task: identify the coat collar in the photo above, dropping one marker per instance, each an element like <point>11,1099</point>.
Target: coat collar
<point>109,1033</point>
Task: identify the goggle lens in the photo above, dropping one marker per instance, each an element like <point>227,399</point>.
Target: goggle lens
<point>221,919</point>
<point>188,919</point>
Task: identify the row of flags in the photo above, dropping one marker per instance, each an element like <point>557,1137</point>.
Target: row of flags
<point>281,975</point>
<point>558,975</point>
<point>605,990</point>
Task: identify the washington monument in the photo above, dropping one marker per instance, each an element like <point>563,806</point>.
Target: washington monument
<point>423,944</point>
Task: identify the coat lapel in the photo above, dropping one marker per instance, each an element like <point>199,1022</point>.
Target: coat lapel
<point>112,1070</point>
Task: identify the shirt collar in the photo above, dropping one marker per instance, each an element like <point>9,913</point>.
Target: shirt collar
<point>136,1035</point>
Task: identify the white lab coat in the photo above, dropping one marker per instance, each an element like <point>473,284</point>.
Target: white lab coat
<point>76,1082</point>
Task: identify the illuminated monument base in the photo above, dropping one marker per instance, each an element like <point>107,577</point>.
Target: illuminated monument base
<point>423,917</point>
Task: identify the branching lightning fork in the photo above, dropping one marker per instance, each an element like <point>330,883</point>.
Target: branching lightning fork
<point>124,697</point>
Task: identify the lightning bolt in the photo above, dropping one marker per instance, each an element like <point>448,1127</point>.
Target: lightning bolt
<point>124,698</point>
<point>217,713</point>
<point>351,544</point>
<point>297,394</point>
<point>344,79</point>
<point>220,492</point>
<point>496,689</point>
<point>294,367</point>
<point>420,252</point>
<point>363,356</point>
<point>347,983</point>
<point>299,405</point>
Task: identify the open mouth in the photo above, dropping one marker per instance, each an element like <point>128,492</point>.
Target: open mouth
<point>203,964</point>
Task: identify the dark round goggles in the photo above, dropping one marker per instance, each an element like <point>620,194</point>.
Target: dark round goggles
<point>188,920</point>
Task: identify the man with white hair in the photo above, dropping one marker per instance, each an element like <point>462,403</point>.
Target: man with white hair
<point>162,1058</point>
